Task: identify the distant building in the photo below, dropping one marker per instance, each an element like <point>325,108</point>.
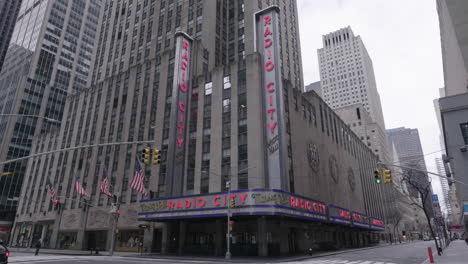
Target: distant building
<point>8,13</point>
<point>347,74</point>
<point>316,87</point>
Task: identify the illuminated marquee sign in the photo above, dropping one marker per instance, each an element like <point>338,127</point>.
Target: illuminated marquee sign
<point>339,215</point>
<point>360,220</point>
<point>377,224</point>
<point>179,107</point>
<point>273,202</point>
<point>456,228</point>
<point>267,44</point>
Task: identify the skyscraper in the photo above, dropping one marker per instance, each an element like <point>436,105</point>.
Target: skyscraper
<point>446,205</point>
<point>8,12</point>
<point>217,87</point>
<point>49,57</point>
<point>347,74</point>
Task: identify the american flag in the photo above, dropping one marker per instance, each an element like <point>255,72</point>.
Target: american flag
<point>52,191</point>
<point>79,189</point>
<point>138,179</point>
<point>105,184</point>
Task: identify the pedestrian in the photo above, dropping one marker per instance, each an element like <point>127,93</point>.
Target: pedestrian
<point>38,246</point>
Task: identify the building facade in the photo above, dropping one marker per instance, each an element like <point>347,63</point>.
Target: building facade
<point>347,74</point>
<point>453,106</point>
<point>224,104</point>
<point>8,13</point>
<point>50,56</point>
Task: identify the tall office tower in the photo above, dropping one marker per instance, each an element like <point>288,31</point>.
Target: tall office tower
<point>224,104</point>
<point>347,74</point>
<point>446,205</point>
<point>409,150</point>
<point>8,12</point>
<point>50,56</point>
<point>454,105</point>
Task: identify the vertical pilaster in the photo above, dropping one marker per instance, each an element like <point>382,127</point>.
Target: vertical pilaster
<point>182,229</point>
<point>262,237</point>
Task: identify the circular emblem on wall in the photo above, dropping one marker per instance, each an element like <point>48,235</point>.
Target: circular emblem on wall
<point>313,156</point>
<point>333,166</point>
<point>351,179</point>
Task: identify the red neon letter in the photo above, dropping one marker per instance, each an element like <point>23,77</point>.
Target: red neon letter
<point>184,65</point>
<point>308,206</point>
<point>291,201</point>
<point>181,129</point>
<point>187,203</point>
<point>182,106</point>
<point>267,20</point>
<point>215,199</point>
<point>269,66</point>
<point>268,42</point>
<point>179,204</point>
<point>180,141</point>
<point>183,87</point>
<point>201,202</point>
<point>268,89</point>
<point>185,56</point>
<point>267,32</point>
<point>271,111</point>
<point>272,127</point>
<point>170,204</point>
<point>185,45</point>
<point>243,196</point>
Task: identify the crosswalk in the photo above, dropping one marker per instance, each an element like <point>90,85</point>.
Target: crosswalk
<point>43,258</point>
<point>339,261</point>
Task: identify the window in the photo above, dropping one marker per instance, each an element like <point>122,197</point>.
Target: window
<point>464,130</point>
<point>226,105</point>
<point>208,88</point>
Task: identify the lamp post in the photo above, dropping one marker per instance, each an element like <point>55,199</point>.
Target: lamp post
<point>228,208</point>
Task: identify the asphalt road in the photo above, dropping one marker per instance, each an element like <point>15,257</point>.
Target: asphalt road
<point>410,253</point>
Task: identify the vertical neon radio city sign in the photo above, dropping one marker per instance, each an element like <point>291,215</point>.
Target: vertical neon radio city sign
<point>267,44</point>
<point>179,108</point>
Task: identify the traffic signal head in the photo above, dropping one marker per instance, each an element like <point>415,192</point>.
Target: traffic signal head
<point>233,203</point>
<point>387,176</point>
<point>377,176</point>
<point>56,204</point>
<point>156,156</point>
<point>145,155</point>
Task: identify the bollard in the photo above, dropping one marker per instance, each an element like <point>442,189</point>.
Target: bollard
<point>431,258</point>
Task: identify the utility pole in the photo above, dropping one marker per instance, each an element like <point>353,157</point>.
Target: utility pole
<point>228,237</point>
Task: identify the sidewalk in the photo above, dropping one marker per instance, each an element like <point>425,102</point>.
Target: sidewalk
<point>456,253</point>
<point>235,259</point>
<point>71,252</point>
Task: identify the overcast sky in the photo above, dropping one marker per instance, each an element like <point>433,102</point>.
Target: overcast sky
<point>403,40</point>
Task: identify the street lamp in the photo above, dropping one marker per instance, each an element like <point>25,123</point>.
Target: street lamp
<point>228,209</point>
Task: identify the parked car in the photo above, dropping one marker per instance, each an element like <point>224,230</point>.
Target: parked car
<point>4,253</point>
<point>426,238</point>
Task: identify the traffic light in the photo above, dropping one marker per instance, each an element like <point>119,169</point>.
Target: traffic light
<point>145,155</point>
<point>377,176</point>
<point>156,156</point>
<point>387,176</point>
<point>56,204</point>
<point>233,203</point>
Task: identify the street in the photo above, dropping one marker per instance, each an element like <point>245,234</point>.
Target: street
<point>410,253</point>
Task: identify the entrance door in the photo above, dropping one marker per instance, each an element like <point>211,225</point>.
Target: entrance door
<point>157,241</point>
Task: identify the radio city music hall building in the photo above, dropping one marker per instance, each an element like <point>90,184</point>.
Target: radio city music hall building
<point>298,175</point>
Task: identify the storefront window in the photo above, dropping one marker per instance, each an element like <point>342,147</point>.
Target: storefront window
<point>67,240</point>
<point>129,240</point>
